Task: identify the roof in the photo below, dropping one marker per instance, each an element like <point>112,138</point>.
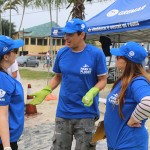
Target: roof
<point>42,30</point>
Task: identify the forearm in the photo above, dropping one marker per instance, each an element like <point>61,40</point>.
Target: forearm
<point>142,110</point>
<point>102,81</point>
<point>55,81</point>
<point>4,127</point>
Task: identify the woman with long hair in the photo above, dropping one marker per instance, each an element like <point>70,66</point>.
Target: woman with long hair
<point>128,104</point>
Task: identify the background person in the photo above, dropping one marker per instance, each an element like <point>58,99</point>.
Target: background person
<point>13,70</point>
<point>128,104</point>
<point>144,61</point>
<point>81,70</point>
<point>11,96</point>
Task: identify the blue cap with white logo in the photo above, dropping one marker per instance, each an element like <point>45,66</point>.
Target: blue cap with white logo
<point>132,51</point>
<point>75,25</point>
<point>7,44</point>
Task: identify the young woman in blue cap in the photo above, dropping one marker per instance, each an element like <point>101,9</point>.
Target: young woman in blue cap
<point>11,96</point>
<point>128,104</point>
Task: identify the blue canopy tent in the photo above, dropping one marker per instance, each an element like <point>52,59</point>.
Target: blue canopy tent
<point>56,32</point>
<point>123,20</point>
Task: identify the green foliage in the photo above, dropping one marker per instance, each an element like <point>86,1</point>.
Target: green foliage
<point>5,27</point>
<point>34,75</point>
<point>90,42</point>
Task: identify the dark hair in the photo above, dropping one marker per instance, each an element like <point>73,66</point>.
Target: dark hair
<point>78,32</point>
<point>1,57</point>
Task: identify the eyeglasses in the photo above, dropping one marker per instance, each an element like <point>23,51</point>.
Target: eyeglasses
<point>120,57</point>
<point>15,50</point>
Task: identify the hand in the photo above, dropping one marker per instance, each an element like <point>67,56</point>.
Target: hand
<point>133,123</point>
<point>40,96</point>
<point>87,100</point>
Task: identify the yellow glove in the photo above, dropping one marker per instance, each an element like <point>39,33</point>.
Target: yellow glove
<point>40,96</point>
<point>87,100</point>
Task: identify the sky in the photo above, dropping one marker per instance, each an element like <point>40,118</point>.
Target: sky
<point>34,17</point>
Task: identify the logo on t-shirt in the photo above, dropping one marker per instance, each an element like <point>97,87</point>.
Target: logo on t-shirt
<point>113,99</point>
<point>2,94</point>
<point>85,69</point>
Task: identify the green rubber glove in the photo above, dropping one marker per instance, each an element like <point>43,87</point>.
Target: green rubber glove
<point>87,100</point>
<point>40,96</point>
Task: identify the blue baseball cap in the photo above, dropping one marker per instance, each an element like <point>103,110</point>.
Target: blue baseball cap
<point>7,44</point>
<point>75,25</point>
<point>132,51</point>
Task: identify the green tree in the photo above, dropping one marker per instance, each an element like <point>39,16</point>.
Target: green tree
<point>8,5</point>
<point>5,27</point>
<point>78,10</point>
<point>24,4</point>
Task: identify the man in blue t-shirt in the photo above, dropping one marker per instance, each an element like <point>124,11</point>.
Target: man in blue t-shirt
<point>81,70</point>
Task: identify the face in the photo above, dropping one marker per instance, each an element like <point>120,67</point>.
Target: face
<point>121,62</point>
<point>11,56</point>
<point>74,40</point>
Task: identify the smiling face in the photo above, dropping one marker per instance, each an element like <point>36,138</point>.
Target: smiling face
<point>75,41</point>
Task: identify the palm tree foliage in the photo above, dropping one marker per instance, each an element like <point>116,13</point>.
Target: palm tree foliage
<point>8,5</point>
<point>78,9</point>
<point>5,27</point>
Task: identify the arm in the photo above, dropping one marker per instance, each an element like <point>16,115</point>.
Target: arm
<point>88,98</point>
<point>55,81</point>
<point>141,112</point>
<point>40,96</point>
<point>102,81</point>
<point>4,126</point>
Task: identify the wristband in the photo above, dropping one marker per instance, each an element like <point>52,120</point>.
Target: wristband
<point>7,148</point>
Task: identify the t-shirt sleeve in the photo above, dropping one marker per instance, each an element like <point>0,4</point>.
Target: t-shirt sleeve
<point>101,64</point>
<point>56,67</point>
<point>6,90</point>
<point>140,88</point>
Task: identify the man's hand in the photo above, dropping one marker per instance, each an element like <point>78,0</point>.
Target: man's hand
<point>88,98</point>
<point>40,96</point>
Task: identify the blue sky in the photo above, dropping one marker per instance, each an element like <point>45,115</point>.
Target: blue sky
<point>34,17</point>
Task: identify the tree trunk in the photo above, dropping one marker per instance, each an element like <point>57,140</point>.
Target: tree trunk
<point>0,24</point>
<point>22,19</point>
<point>10,19</point>
<point>78,9</point>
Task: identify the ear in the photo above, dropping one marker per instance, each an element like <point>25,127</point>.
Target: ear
<point>82,35</point>
<point>6,57</point>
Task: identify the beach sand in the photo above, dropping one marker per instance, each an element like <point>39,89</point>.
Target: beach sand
<point>39,128</point>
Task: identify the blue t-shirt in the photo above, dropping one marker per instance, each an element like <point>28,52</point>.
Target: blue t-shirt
<point>119,135</point>
<point>79,74</point>
<point>11,93</point>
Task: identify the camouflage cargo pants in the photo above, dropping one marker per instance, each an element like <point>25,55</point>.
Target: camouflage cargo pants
<point>81,129</point>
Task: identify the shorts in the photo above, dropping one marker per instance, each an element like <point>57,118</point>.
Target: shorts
<point>67,129</point>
